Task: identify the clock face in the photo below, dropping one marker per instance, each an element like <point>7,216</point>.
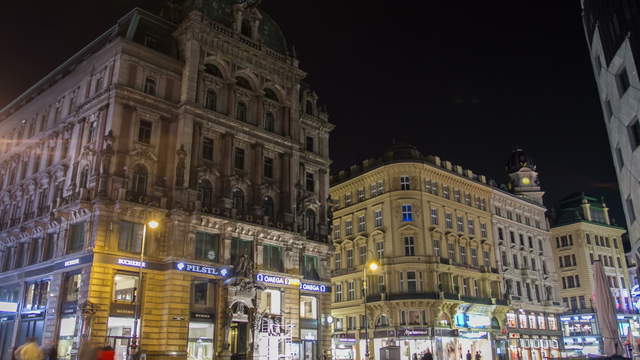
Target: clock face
<point>525,181</point>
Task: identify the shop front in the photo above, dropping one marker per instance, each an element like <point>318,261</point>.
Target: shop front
<point>201,336</point>
<point>581,335</point>
<point>532,335</point>
<point>344,346</point>
<point>474,341</point>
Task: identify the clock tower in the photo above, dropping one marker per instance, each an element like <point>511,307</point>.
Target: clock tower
<point>523,177</point>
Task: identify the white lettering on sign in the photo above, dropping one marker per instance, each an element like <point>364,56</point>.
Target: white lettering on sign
<point>313,287</point>
<point>71,262</point>
<point>202,269</point>
<point>279,280</point>
<point>134,263</point>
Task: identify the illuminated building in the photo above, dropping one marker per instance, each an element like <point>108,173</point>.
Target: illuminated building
<point>582,233</point>
<point>611,29</point>
<point>199,120</point>
<point>525,259</point>
<point>427,222</point>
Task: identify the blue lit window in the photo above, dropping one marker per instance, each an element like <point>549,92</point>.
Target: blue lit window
<point>407,213</point>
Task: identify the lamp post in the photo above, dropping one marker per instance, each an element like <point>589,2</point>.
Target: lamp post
<point>373,266</point>
<point>135,343</point>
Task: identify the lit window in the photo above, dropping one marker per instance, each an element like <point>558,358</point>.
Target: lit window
<point>407,212</point>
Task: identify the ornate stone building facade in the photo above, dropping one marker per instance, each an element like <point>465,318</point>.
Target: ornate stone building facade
<point>526,261</point>
<point>581,234</point>
<point>198,120</point>
<point>428,224</point>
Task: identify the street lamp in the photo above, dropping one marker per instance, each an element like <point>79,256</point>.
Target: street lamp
<point>135,344</point>
<point>372,266</point>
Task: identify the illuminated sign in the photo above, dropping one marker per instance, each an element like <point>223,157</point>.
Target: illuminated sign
<point>279,280</point>
<point>132,263</point>
<point>8,306</point>
<point>314,287</point>
<point>473,335</point>
<point>71,262</point>
<point>201,269</point>
<point>635,291</point>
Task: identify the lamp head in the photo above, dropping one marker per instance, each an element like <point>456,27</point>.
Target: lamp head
<point>373,266</point>
<point>153,224</point>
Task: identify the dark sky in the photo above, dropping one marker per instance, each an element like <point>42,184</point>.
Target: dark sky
<point>467,81</point>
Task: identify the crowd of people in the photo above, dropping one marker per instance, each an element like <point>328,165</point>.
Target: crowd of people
<point>30,350</point>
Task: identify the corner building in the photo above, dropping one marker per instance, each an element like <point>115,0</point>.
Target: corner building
<point>427,223</point>
<point>612,32</point>
<point>583,233</point>
<point>198,120</point>
<point>526,261</point>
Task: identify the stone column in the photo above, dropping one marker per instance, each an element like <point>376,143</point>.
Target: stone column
<point>190,71</point>
<point>258,153</point>
<point>286,213</point>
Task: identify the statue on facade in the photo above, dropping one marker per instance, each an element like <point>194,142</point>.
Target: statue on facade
<point>244,266</point>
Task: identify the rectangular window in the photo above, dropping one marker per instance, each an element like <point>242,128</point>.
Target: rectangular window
<point>362,223</point>
<point>436,247</point>
<point>412,283</point>
<point>124,288</point>
<point>308,307</point>
<point>144,131</point>
<point>310,270</point>
<point>631,212</point>
<point>407,212</point>
<point>238,159</point>
<point>207,149</point>
<point>457,196</point>
<point>360,194</point>
<point>448,221</point>
<point>405,182</point>
<point>348,228</point>
<point>349,258</point>
<point>451,251</point>
<point>268,168</point>
<point>240,247</point>
<point>380,249</point>
<point>309,144</point>
<point>351,291</point>
<point>445,192</point>
<point>634,133</point>
<point>409,246</point>
<point>463,255</point>
<point>483,230</point>
<point>362,252</point>
<point>471,228</point>
<point>130,239</point>
<point>434,216</point>
<point>347,199</point>
<point>378,217</point>
<point>310,182</point>
<point>338,288</point>
<point>200,293</point>
<point>486,257</point>
<point>76,238</point>
<point>272,258</point>
<point>500,234</point>
<point>207,246</point>
<point>338,260</point>
<point>474,256</point>
<point>460,223</point>
<point>619,158</point>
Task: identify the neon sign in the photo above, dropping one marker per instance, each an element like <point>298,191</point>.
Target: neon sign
<point>314,287</point>
<point>279,280</point>
<point>132,263</point>
<point>201,269</point>
<point>71,262</point>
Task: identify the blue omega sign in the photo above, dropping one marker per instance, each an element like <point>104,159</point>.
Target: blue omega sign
<point>315,287</point>
<point>201,269</point>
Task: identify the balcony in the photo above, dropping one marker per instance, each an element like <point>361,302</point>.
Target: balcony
<point>477,300</point>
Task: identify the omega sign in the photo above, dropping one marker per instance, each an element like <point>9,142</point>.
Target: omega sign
<point>279,280</point>
<point>314,287</point>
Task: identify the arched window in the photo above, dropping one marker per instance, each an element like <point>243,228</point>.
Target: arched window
<point>211,99</point>
<point>238,200</point>
<point>310,224</point>
<point>241,111</point>
<point>309,107</point>
<point>268,206</point>
<point>206,195</point>
<point>140,178</point>
<point>246,28</point>
<point>84,177</point>
<point>243,83</point>
<point>213,70</point>
<point>150,86</point>
<point>270,94</point>
<point>270,122</point>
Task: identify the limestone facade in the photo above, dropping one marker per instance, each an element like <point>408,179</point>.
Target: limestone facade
<point>199,120</point>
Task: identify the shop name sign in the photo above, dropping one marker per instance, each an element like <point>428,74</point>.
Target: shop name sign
<point>132,263</point>
<point>279,280</point>
<point>72,262</point>
<point>315,287</point>
<point>201,269</point>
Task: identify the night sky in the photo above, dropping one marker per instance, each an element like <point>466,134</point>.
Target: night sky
<point>468,81</point>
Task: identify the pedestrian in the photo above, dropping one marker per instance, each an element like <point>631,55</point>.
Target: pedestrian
<point>106,353</point>
<point>478,356</point>
<point>52,353</point>
<point>29,350</point>
<point>469,355</point>
<point>428,355</point>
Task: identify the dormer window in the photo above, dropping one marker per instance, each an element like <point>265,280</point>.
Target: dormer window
<point>309,107</point>
<point>243,83</point>
<point>213,70</point>
<point>270,94</point>
<point>246,29</point>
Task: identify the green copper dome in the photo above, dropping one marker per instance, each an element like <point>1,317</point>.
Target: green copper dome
<point>221,11</point>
